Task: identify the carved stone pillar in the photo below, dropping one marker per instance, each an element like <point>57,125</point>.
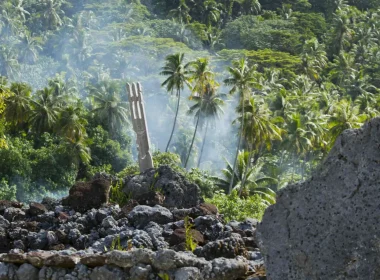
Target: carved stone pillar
<point>136,104</point>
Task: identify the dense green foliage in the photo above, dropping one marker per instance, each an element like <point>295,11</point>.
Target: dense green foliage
<point>236,208</point>
<point>298,73</point>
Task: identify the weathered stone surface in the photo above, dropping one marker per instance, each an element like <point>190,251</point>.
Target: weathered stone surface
<point>227,269</point>
<point>37,259</point>
<point>36,209</point>
<point>27,271</point>
<point>84,196</point>
<point>129,258</point>
<point>328,226</point>
<point>5,204</point>
<point>178,192</point>
<point>93,260</point>
<point>62,261</point>
<point>13,214</point>
<point>187,273</point>
<point>4,271</point>
<point>141,215</point>
<point>105,272</point>
<point>150,198</point>
<point>230,247</point>
<point>140,272</point>
<point>170,259</point>
<point>13,258</point>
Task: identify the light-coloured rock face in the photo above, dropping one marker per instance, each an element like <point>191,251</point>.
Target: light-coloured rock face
<point>329,226</point>
<point>137,264</point>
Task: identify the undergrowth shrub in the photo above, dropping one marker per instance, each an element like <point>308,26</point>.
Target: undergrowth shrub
<point>235,208</point>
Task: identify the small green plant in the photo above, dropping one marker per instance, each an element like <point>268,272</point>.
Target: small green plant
<point>155,177</point>
<point>116,245</point>
<point>191,245</point>
<point>164,276</point>
<point>236,208</point>
<point>117,195</point>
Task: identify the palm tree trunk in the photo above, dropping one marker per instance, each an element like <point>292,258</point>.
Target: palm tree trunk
<point>237,150</point>
<point>192,141</point>
<point>175,120</point>
<point>247,166</point>
<point>203,145</point>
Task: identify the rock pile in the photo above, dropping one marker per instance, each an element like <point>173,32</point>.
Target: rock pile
<point>49,240</point>
<point>328,226</point>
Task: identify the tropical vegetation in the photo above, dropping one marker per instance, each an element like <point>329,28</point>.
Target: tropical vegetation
<point>244,96</point>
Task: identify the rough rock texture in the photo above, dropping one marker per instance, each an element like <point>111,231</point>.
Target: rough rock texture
<point>84,196</point>
<point>135,264</point>
<point>174,187</point>
<point>328,227</point>
<point>141,215</point>
<point>80,241</point>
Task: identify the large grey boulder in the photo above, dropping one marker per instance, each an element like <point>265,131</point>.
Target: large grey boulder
<point>141,215</point>
<point>328,227</point>
<point>178,192</point>
<point>27,271</point>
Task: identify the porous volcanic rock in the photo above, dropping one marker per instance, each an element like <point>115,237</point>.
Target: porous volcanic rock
<point>328,227</point>
<point>84,196</point>
<point>178,192</point>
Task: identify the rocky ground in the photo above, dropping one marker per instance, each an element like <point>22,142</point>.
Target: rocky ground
<point>85,237</point>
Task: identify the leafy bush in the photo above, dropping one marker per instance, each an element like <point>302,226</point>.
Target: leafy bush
<point>106,151</point>
<point>203,180</point>
<point>167,158</point>
<point>235,208</point>
<point>7,192</point>
<point>254,33</point>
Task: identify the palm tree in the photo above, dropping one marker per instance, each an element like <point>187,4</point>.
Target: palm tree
<point>251,7</point>
<point>242,78</point>
<point>176,80</point>
<point>18,104</point>
<point>259,129</point>
<point>80,51</point>
<point>367,105</point>
<point>256,181</point>
<point>10,24</point>
<point>182,143</point>
<point>181,13</point>
<point>45,110</point>
<point>314,58</point>
<point>29,48</point>
<point>66,91</point>
<point>52,12</point>
<point>79,151</point>
<point>345,115</point>
<point>72,123</point>
<point>108,105</point>
<point>20,10</point>
<point>200,75</point>
<point>298,141</point>
<point>211,12</point>
<point>207,106</point>
<point>340,33</point>
<point>343,68</point>
<point>8,62</point>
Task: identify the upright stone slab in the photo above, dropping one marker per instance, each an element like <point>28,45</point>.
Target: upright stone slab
<point>140,126</point>
<point>329,226</point>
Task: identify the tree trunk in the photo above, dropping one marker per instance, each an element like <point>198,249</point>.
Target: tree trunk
<point>175,120</point>
<point>192,141</point>
<point>237,150</point>
<point>247,166</point>
<point>203,145</point>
